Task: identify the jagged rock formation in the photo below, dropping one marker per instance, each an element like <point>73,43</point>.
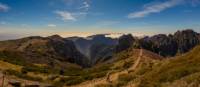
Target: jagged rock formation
<point>161,44</point>
<point>186,40</point>
<point>170,45</point>
<point>99,48</point>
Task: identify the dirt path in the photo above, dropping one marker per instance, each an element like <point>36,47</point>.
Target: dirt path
<point>112,77</point>
<point>137,61</point>
<point>1,79</point>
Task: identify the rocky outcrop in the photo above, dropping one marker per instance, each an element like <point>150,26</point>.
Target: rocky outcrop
<point>186,40</point>
<point>125,42</point>
<point>170,45</point>
<point>161,44</point>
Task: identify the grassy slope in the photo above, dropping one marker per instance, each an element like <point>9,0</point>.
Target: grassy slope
<point>147,61</point>
<point>120,64</point>
<point>185,68</point>
<point>181,71</point>
<point>167,73</point>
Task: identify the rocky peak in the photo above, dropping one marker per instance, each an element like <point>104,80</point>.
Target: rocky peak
<point>125,42</point>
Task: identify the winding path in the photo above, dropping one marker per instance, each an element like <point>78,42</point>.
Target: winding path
<point>113,77</point>
<point>1,79</point>
<point>137,61</point>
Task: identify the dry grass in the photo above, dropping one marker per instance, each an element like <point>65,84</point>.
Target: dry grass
<point>40,75</point>
<point>6,65</point>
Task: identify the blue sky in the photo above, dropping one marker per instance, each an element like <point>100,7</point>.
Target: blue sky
<point>83,17</point>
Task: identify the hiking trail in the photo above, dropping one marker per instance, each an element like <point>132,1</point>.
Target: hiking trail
<point>113,76</point>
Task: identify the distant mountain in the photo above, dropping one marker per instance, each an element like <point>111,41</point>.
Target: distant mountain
<point>186,40</point>
<point>43,50</point>
<point>98,47</point>
<point>125,42</point>
<point>170,45</point>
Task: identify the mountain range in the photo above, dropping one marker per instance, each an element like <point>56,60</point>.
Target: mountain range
<point>73,60</point>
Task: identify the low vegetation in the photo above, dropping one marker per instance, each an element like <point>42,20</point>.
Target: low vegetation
<point>12,57</point>
<point>172,70</point>
<point>23,76</point>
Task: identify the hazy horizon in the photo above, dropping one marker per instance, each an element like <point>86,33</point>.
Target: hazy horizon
<point>80,34</point>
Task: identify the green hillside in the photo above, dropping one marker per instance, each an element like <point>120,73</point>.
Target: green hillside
<point>183,68</point>
<point>181,71</point>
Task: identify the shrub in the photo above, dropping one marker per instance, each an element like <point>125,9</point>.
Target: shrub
<point>71,80</point>
<point>23,76</point>
<point>32,68</point>
<point>12,57</point>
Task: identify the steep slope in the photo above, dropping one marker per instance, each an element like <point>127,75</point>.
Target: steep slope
<point>39,59</point>
<point>100,53</point>
<point>183,68</point>
<point>42,50</point>
<point>181,71</point>
<point>96,47</point>
<point>174,69</point>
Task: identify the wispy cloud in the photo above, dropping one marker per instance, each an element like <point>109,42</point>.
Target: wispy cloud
<point>65,15</point>
<point>155,8</point>
<point>77,9</point>
<point>85,6</point>
<point>70,16</point>
<point>4,7</point>
<point>51,25</point>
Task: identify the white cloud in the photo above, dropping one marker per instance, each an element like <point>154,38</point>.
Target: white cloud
<point>66,16</point>
<point>85,6</point>
<point>155,8</point>
<point>4,7</point>
<point>71,16</point>
<point>77,9</point>
<point>51,25</point>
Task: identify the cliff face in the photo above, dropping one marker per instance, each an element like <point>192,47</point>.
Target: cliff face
<point>186,40</point>
<point>179,42</point>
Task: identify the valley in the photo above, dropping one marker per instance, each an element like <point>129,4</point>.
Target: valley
<point>98,61</point>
